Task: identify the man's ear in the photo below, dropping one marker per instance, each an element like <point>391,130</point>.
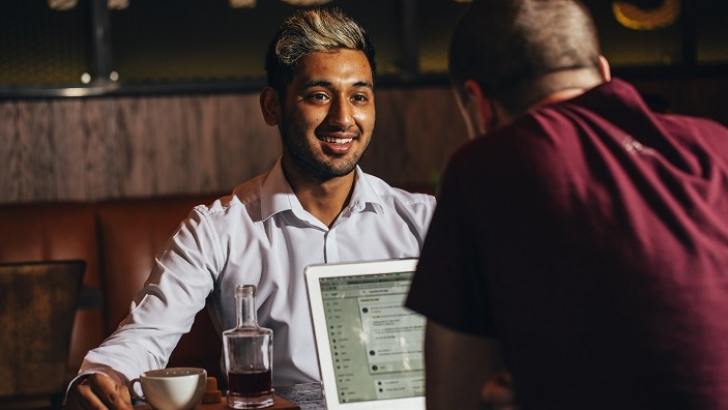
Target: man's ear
<point>270,106</point>
<point>479,106</point>
<point>604,69</point>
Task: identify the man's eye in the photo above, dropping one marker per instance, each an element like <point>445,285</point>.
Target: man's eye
<point>318,97</point>
<point>360,98</point>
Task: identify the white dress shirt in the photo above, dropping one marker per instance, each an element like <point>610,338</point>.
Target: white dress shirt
<point>259,235</point>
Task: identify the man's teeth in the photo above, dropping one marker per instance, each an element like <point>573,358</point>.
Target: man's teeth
<point>341,141</point>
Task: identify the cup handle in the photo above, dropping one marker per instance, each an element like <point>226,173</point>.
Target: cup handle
<point>133,392</point>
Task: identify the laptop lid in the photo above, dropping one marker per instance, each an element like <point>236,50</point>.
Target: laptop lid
<point>370,347</point>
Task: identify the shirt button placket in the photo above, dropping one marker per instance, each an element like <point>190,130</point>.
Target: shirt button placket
<point>331,249</point>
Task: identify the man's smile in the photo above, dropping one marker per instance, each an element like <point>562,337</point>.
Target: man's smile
<point>337,142</point>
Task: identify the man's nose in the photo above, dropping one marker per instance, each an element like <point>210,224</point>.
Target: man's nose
<point>341,113</point>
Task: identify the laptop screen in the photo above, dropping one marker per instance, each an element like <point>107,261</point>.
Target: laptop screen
<point>376,343</point>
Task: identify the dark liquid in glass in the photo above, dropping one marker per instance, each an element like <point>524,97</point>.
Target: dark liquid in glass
<point>250,383</point>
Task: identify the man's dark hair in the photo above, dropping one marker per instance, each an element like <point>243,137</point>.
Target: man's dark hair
<point>507,46</point>
<point>310,31</point>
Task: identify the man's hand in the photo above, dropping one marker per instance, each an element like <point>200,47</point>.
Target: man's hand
<point>99,392</point>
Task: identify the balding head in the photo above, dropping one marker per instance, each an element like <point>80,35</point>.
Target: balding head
<point>521,51</point>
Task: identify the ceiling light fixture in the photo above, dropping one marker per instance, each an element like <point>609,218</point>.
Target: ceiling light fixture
<point>62,5</point>
<point>306,3</point>
<point>242,4</point>
<point>118,4</point>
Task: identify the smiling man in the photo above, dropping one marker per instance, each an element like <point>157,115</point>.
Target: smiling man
<point>314,206</point>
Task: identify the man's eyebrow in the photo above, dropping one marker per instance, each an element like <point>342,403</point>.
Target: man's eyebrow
<point>366,84</point>
<point>327,84</point>
<point>317,83</point>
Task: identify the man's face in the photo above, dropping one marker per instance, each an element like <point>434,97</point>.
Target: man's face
<point>328,113</point>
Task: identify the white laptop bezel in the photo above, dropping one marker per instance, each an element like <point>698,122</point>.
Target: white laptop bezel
<point>328,378</point>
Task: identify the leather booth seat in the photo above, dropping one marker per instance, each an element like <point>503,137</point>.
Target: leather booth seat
<point>118,240</point>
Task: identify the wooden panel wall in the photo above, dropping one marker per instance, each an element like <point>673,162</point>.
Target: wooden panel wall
<point>85,149</point>
<point>90,149</point>
<point>99,148</point>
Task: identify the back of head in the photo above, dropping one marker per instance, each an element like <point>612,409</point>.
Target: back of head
<point>517,50</point>
<point>309,31</point>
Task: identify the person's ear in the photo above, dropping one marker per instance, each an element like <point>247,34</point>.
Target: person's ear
<point>480,106</point>
<point>270,106</point>
<point>604,69</point>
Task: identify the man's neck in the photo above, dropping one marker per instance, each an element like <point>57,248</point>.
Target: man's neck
<point>561,95</point>
<point>323,199</point>
<point>570,84</point>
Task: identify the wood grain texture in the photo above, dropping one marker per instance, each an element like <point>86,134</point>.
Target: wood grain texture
<point>100,148</point>
<point>416,132</point>
<point>131,146</point>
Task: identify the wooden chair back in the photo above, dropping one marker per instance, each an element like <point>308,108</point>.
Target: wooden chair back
<point>38,301</point>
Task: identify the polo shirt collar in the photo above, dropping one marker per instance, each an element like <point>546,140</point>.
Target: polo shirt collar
<point>276,195</point>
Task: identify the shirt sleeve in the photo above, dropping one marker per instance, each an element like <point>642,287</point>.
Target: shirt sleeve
<point>448,287</point>
<point>182,277</point>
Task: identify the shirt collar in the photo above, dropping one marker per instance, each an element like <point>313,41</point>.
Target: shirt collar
<point>365,196</point>
<point>276,195</point>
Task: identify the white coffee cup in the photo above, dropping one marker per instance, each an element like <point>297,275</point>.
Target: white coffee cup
<point>175,388</point>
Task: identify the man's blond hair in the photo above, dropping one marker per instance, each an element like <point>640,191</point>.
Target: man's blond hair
<point>311,31</point>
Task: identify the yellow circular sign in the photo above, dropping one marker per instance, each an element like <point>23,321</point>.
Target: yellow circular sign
<point>632,16</point>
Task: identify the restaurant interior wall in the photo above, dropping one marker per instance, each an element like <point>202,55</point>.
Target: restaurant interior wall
<point>160,97</point>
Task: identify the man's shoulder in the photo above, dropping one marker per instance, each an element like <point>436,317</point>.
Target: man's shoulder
<point>398,195</point>
<point>244,200</point>
<point>698,126</point>
<point>504,147</point>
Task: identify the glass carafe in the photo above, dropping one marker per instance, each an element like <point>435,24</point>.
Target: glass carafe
<point>248,350</point>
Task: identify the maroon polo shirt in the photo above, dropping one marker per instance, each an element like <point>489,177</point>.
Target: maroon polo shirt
<point>591,238</point>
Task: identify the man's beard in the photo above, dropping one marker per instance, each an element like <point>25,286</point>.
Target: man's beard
<point>305,159</point>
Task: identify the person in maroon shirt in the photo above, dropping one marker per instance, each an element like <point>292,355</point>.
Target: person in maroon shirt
<point>581,245</point>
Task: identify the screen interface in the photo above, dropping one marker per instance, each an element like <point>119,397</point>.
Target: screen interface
<point>376,343</point>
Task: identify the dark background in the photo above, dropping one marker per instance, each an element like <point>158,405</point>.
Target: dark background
<point>170,104</point>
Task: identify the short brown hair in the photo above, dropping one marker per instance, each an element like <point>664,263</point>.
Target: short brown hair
<point>507,45</point>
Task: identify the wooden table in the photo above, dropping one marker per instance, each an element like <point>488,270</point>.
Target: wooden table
<point>307,396</point>
<point>279,404</point>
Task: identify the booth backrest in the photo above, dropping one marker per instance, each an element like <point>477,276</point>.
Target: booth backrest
<point>131,233</point>
<point>118,240</point>
<point>45,232</point>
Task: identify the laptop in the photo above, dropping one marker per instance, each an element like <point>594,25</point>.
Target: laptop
<point>370,347</point>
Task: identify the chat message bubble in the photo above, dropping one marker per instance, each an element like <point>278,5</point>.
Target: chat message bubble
<point>393,335</point>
